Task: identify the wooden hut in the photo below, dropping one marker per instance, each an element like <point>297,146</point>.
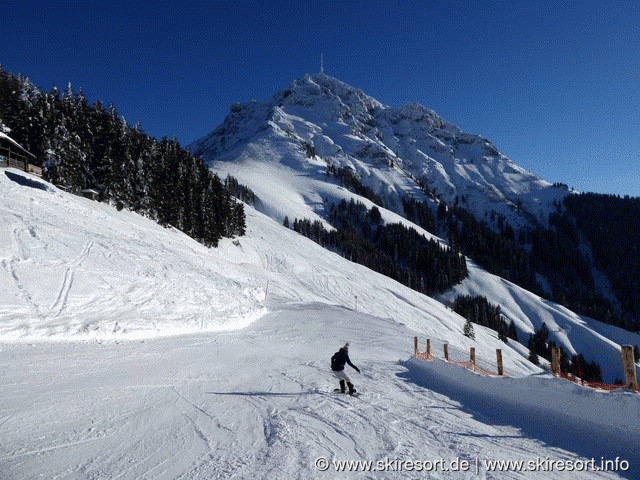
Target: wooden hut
<point>12,154</point>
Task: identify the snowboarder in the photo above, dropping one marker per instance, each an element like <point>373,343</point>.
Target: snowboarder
<point>338,361</point>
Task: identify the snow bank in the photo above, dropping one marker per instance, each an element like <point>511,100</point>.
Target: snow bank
<point>559,413</point>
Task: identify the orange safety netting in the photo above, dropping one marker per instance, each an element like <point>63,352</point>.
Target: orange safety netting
<point>474,367</point>
<point>428,356</point>
<point>595,385</point>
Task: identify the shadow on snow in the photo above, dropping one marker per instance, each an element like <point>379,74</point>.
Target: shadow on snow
<point>267,394</point>
<point>503,401</point>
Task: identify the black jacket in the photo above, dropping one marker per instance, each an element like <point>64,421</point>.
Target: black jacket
<point>339,359</point>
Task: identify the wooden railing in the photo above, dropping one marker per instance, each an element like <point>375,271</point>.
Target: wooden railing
<point>631,381</point>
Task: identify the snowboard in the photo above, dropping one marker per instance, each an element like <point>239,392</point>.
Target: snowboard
<point>337,390</point>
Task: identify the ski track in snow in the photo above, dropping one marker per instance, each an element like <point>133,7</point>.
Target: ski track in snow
<point>67,282</point>
<point>256,403</point>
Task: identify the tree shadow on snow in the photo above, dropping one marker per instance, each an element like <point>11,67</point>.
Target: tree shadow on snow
<point>584,438</point>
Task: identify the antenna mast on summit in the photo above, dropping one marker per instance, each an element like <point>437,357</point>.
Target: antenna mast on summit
<point>322,63</point>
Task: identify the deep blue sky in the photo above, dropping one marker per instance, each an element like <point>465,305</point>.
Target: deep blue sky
<point>555,85</point>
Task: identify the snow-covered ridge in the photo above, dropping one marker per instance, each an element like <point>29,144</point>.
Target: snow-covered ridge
<point>389,148</point>
<point>75,269</point>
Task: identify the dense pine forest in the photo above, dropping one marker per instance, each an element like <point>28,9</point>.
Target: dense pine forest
<point>347,178</point>
<point>477,309</point>
<point>90,146</point>
<point>588,233</point>
<point>610,224</point>
<point>394,250</point>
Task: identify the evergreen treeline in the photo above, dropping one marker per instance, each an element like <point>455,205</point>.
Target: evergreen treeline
<point>419,213</point>
<point>497,252</point>
<point>564,263</point>
<point>239,191</point>
<point>351,182</point>
<point>555,254</point>
<point>84,146</point>
<point>392,250</point>
<point>477,309</point>
<point>611,225</point>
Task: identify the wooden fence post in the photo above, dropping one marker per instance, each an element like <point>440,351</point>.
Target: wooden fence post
<point>499,359</point>
<point>555,360</point>
<point>415,346</point>
<point>428,346</point>
<point>629,366</point>
<point>472,355</point>
<point>446,351</point>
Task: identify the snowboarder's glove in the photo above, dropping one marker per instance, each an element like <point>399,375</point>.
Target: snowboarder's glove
<point>357,369</point>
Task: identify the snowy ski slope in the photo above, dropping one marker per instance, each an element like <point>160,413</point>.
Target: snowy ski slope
<point>95,383</point>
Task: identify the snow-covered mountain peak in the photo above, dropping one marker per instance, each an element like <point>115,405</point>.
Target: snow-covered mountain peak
<point>394,151</point>
<point>244,121</point>
<point>320,87</point>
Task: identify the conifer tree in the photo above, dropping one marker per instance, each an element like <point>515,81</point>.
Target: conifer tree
<point>91,146</point>
<point>533,357</point>
<point>468,330</point>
